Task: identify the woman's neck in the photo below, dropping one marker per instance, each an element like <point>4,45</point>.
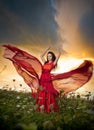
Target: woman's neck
<point>50,61</point>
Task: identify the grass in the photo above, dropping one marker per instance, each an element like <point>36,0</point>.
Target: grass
<point>18,112</point>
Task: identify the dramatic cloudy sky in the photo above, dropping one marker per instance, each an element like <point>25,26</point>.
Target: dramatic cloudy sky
<point>23,20</point>
<point>34,24</point>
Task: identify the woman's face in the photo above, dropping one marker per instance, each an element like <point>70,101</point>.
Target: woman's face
<point>49,57</point>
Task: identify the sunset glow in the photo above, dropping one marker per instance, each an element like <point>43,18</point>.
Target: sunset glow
<point>32,29</point>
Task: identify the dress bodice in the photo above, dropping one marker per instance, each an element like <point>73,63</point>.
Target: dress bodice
<point>48,67</point>
<point>46,76</point>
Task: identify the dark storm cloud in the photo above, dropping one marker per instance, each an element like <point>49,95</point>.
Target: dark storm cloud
<point>21,19</point>
<point>86,27</point>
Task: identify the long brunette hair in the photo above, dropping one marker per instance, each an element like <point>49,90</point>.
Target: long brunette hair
<point>53,57</point>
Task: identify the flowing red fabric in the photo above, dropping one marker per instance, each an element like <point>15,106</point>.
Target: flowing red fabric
<point>46,86</point>
<point>74,79</point>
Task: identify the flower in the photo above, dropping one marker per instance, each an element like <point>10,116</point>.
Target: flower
<point>18,97</point>
<point>42,107</point>
<point>18,106</point>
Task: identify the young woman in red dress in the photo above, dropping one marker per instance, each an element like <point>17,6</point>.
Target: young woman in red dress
<point>46,86</point>
<point>47,96</point>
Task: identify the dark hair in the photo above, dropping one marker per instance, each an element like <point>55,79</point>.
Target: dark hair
<point>53,56</point>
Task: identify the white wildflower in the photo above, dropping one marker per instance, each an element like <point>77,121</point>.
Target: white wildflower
<point>28,112</point>
<point>18,106</point>
<point>42,107</point>
<point>23,107</point>
<point>18,97</point>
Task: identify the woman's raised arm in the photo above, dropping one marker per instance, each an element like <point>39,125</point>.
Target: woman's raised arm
<point>42,55</point>
<point>57,58</point>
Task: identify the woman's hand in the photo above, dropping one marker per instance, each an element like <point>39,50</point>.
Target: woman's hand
<point>48,48</point>
<point>59,50</point>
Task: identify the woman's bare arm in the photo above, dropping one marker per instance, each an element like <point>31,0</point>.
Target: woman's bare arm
<point>57,58</point>
<point>43,54</point>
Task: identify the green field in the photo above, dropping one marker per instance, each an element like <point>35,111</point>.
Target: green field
<point>18,112</point>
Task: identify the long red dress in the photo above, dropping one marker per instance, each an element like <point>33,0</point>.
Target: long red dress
<point>46,86</point>
<point>47,96</point>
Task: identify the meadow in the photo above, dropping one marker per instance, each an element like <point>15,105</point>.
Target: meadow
<point>18,112</point>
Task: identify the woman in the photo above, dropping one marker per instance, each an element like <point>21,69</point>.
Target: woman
<point>46,86</point>
<point>47,96</point>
